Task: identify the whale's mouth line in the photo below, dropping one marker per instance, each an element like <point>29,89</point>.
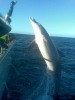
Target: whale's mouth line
<point>32,19</point>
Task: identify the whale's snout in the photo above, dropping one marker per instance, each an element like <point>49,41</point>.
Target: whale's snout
<point>32,19</point>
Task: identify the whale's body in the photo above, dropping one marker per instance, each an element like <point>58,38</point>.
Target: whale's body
<point>45,44</point>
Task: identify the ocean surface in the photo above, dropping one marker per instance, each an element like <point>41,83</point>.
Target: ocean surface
<point>28,78</point>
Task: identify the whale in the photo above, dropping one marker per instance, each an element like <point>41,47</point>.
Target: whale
<point>45,45</point>
<point>48,51</point>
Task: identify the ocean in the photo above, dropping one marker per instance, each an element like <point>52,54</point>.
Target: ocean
<point>28,78</point>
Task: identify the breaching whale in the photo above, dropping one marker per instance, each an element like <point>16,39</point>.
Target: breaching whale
<point>45,44</point>
<point>48,51</point>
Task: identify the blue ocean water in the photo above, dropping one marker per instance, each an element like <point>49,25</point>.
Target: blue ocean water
<point>28,78</point>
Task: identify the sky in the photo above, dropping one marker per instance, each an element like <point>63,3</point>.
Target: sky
<point>57,16</point>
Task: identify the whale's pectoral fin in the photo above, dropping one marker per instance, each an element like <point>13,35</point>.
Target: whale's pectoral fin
<point>32,44</point>
<point>61,54</point>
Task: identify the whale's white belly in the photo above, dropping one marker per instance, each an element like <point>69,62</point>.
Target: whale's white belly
<point>47,53</point>
<point>45,45</point>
